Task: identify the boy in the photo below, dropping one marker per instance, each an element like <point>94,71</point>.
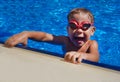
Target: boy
<point>77,44</point>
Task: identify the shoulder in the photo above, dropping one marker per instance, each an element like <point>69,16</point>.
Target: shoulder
<point>94,43</point>
<point>60,39</point>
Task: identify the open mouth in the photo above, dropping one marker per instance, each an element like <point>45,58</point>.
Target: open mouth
<point>79,38</point>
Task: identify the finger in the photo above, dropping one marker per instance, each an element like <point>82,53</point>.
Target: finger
<point>8,43</point>
<point>11,43</point>
<point>79,59</point>
<point>68,57</point>
<point>73,59</point>
<point>25,43</point>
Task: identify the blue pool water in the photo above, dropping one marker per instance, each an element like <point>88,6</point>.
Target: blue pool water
<point>50,16</point>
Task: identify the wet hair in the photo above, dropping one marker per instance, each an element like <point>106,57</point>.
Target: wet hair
<point>78,11</point>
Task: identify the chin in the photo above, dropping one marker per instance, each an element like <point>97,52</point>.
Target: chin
<point>79,44</point>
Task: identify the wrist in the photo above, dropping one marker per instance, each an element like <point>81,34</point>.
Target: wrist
<point>84,56</point>
<point>27,33</point>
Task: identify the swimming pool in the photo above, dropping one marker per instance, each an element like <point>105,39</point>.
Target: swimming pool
<point>50,16</point>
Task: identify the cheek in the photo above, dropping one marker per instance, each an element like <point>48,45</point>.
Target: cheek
<point>70,32</point>
<point>88,35</point>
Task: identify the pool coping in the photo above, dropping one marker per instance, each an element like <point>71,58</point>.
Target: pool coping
<point>116,68</point>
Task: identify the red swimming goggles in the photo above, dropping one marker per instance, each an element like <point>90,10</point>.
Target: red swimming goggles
<point>85,25</point>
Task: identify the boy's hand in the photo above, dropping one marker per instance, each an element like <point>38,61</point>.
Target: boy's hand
<point>74,57</point>
<point>16,39</point>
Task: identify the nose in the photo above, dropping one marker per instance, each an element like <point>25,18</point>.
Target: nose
<point>79,32</point>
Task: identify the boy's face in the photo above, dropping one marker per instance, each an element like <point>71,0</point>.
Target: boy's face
<point>80,29</point>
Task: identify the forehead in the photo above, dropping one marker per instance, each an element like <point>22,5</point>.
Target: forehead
<point>81,17</point>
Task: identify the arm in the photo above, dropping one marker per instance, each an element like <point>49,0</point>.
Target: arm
<point>40,36</point>
<point>93,54</point>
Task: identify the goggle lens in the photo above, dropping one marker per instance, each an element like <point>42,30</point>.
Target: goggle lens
<point>72,26</point>
<point>86,26</point>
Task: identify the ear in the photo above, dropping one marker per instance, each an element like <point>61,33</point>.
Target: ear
<point>93,30</point>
